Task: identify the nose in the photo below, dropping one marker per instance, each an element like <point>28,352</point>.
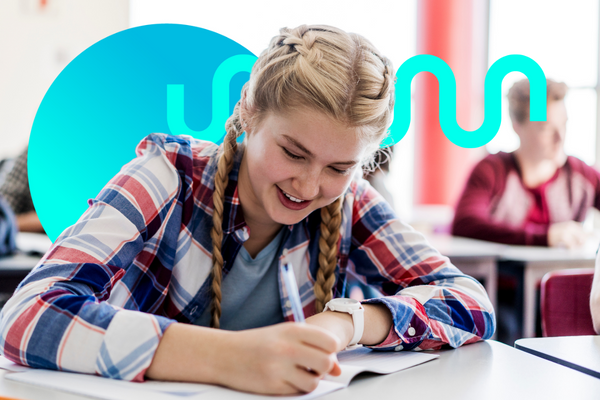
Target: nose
<point>307,184</point>
<point>558,135</point>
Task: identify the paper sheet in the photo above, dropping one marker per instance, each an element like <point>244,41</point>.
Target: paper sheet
<point>352,362</point>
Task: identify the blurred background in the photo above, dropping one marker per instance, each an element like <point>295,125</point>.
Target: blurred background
<point>38,38</point>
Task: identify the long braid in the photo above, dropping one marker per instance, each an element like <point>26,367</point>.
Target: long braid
<point>331,220</point>
<point>224,166</point>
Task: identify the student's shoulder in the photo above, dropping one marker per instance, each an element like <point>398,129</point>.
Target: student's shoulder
<point>365,198</point>
<point>176,146</point>
<point>578,166</point>
<point>494,165</point>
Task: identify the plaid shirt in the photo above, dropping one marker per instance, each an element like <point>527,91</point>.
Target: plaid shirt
<point>144,245</point>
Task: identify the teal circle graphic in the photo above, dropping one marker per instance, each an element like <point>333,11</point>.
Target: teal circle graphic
<point>113,95</point>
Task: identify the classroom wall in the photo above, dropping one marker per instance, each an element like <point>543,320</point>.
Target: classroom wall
<point>38,38</point>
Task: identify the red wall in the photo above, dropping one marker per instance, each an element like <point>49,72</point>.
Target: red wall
<point>456,32</point>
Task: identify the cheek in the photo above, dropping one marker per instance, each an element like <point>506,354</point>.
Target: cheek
<point>334,186</point>
<point>269,167</point>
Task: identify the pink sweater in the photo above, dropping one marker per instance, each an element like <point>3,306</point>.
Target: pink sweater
<point>495,204</point>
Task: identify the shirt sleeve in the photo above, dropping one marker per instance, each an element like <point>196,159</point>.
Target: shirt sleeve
<point>473,216</point>
<point>60,316</point>
<point>432,303</point>
<point>15,187</point>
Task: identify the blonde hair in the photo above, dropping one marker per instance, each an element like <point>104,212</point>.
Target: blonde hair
<point>518,97</point>
<point>325,69</point>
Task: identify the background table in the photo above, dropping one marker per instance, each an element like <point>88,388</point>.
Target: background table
<point>476,258</point>
<point>535,262</point>
<point>581,353</point>
<point>15,267</point>
<point>484,370</point>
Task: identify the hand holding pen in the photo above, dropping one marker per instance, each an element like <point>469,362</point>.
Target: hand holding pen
<point>289,280</point>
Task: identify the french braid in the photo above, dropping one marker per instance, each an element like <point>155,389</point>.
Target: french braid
<point>224,166</point>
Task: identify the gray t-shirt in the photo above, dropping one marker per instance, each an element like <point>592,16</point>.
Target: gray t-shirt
<point>250,290</point>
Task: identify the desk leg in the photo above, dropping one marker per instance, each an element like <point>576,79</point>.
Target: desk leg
<point>529,285</point>
<point>491,284</point>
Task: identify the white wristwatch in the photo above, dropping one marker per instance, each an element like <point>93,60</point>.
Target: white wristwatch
<point>354,308</point>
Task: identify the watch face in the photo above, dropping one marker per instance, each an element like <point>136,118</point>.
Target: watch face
<point>347,302</point>
<point>343,304</point>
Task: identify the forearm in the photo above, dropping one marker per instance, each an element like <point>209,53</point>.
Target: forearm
<point>483,228</point>
<point>189,353</point>
<point>29,222</point>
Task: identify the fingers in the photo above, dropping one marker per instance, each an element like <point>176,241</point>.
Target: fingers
<point>303,380</point>
<point>317,337</point>
<point>319,362</point>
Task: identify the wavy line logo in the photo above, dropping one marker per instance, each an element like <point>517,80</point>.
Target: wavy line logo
<point>402,109</point>
<point>447,96</point>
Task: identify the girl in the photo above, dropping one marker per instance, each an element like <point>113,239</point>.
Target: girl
<point>189,235</point>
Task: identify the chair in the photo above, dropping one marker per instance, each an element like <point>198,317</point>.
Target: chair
<point>565,301</point>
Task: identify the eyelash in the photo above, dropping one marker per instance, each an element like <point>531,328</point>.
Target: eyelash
<point>295,157</point>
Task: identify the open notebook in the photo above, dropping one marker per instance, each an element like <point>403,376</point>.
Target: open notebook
<point>353,362</point>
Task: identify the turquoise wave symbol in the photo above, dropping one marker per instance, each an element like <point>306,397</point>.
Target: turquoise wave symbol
<point>447,97</point>
<point>220,102</point>
<point>402,109</point>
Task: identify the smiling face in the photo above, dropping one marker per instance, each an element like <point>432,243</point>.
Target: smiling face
<point>544,140</point>
<point>296,163</point>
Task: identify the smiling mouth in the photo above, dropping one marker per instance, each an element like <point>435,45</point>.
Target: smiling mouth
<point>292,198</point>
<point>291,202</point>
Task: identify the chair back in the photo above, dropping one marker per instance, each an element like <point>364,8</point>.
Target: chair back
<point>565,301</point>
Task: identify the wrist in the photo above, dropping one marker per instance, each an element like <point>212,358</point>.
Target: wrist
<point>378,322</point>
<point>339,324</point>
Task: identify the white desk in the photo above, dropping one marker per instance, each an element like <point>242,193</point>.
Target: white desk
<point>582,353</point>
<point>484,370</point>
<point>476,258</point>
<point>537,261</point>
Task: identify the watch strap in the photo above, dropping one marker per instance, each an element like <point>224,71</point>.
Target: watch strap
<point>358,319</point>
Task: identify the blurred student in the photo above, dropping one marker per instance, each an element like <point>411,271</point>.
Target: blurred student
<point>536,195</point>
<point>15,189</point>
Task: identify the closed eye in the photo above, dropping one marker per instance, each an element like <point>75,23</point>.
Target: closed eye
<point>341,171</point>
<point>291,155</point>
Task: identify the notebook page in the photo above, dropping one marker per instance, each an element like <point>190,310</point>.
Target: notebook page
<point>382,362</point>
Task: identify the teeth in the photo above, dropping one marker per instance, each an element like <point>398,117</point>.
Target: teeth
<point>292,198</point>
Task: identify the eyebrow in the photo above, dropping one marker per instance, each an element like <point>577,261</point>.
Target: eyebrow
<point>310,154</point>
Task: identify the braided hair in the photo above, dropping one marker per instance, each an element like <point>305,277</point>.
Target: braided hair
<point>326,69</point>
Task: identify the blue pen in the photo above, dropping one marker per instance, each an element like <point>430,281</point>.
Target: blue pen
<point>291,287</point>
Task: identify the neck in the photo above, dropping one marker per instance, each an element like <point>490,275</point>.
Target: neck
<point>262,228</point>
<point>535,172</point>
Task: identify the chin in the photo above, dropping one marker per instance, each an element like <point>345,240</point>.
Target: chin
<point>287,217</point>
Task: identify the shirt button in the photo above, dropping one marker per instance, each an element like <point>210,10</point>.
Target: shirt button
<point>194,310</point>
<point>411,331</point>
<point>399,348</point>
